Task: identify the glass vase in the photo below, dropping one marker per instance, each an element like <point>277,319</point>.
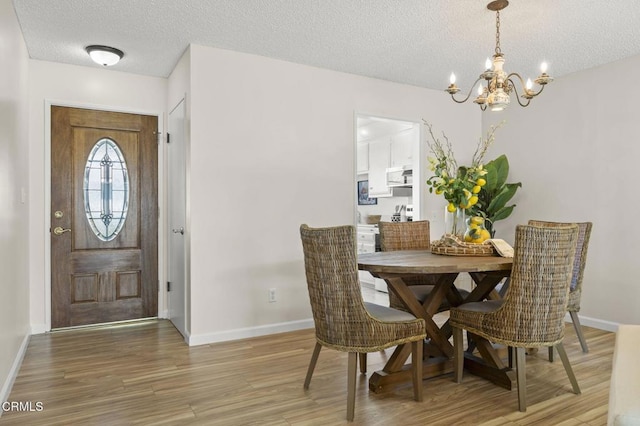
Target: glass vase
<point>454,222</point>
<point>476,232</point>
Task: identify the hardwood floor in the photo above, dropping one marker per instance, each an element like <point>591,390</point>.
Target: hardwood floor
<point>145,374</point>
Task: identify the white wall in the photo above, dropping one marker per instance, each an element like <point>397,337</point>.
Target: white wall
<point>63,84</point>
<point>576,151</point>
<point>14,179</point>
<point>272,146</point>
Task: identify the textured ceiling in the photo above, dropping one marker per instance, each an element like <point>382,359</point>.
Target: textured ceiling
<point>418,42</point>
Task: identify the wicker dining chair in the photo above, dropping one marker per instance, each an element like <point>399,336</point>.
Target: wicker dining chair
<point>531,314</point>
<point>573,306</point>
<point>343,321</point>
<point>411,236</point>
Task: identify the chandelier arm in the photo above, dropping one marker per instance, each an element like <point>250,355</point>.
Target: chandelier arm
<point>531,92</point>
<point>468,94</point>
<point>515,89</point>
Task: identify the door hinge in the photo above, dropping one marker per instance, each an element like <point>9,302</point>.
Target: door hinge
<point>168,138</point>
<point>168,286</point>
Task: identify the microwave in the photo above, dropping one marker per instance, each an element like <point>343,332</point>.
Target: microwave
<point>399,176</point>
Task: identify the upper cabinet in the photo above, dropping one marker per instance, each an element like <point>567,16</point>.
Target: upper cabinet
<point>379,161</point>
<point>402,147</point>
<point>362,157</point>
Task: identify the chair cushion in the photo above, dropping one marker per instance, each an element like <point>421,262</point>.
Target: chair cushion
<point>482,307</point>
<point>384,313</point>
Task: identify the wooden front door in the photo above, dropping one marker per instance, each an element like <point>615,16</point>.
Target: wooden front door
<point>104,216</point>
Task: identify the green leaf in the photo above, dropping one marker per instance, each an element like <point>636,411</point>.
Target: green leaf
<point>503,213</point>
<point>501,166</point>
<point>503,197</point>
<point>491,177</point>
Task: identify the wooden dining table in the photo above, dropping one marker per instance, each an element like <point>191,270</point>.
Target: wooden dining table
<point>481,358</point>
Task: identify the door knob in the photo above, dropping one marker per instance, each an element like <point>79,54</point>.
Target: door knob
<point>178,231</point>
<point>58,230</point>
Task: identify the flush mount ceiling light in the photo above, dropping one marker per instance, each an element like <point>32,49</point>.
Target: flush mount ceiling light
<point>104,55</point>
<point>499,85</point>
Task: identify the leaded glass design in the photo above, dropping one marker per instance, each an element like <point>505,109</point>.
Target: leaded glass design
<point>106,189</point>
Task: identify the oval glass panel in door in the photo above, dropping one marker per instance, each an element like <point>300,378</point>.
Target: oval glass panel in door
<point>106,189</point>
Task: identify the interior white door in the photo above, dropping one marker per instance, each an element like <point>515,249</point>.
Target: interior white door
<point>177,273</point>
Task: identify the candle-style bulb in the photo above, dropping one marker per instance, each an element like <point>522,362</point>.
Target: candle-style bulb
<point>487,64</point>
<point>529,84</point>
<point>452,78</point>
<point>480,90</point>
<point>543,67</point>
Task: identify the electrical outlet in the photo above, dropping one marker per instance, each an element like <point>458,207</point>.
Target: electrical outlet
<point>272,295</point>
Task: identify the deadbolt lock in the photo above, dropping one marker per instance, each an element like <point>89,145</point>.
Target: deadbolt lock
<point>58,214</point>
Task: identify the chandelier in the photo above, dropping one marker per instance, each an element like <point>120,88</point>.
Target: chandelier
<point>496,91</point>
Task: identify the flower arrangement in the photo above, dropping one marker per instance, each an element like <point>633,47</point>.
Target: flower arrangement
<point>460,185</point>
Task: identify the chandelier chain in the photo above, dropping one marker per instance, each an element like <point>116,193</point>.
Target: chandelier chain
<point>498,51</point>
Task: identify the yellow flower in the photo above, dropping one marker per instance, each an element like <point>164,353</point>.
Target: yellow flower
<point>451,208</point>
<point>476,189</point>
<point>481,182</point>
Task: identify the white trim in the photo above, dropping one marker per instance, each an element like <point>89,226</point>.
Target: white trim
<point>596,323</point>
<point>244,333</point>
<point>162,302</point>
<point>13,372</point>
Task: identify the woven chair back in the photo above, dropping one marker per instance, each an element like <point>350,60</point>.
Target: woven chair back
<point>535,305</point>
<point>584,233</point>
<point>334,290</point>
<point>404,235</point>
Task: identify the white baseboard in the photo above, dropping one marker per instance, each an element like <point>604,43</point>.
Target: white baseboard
<point>244,333</point>
<point>596,323</point>
<point>13,372</point>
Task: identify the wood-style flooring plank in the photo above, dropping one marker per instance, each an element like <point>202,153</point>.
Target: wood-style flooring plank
<point>145,374</point>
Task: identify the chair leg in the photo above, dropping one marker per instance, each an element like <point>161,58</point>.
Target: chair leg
<point>521,374</point>
<point>567,367</point>
<point>312,364</point>
<point>578,327</point>
<point>363,362</point>
<point>458,354</point>
<point>351,385</point>
<point>550,353</point>
<point>510,350</point>
<point>416,360</point>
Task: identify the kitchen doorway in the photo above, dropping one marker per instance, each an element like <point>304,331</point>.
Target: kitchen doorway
<point>388,168</point>
<point>387,181</point>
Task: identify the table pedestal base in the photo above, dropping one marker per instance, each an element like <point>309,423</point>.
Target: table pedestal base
<point>381,380</point>
<point>503,376</point>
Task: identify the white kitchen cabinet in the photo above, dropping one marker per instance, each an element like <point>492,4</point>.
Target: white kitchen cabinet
<point>362,158</point>
<point>366,241</point>
<point>379,161</point>
<point>402,147</point>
